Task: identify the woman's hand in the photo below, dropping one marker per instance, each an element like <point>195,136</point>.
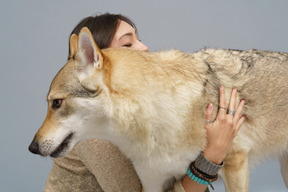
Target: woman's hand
<point>221,132</point>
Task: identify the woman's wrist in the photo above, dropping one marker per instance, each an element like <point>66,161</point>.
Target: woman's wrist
<point>201,171</point>
<point>214,156</point>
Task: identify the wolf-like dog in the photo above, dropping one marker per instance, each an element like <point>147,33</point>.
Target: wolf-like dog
<point>152,106</point>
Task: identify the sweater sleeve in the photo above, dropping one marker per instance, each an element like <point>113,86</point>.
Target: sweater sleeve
<point>95,165</point>
<point>113,171</point>
<point>178,187</point>
<point>69,174</point>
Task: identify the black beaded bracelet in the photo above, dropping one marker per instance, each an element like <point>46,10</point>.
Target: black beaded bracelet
<point>200,177</point>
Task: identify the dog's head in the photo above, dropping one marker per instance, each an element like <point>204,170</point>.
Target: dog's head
<point>75,96</point>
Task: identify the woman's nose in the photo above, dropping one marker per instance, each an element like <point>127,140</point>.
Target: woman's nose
<point>142,47</point>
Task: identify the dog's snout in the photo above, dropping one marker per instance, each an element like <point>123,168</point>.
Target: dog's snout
<point>34,147</point>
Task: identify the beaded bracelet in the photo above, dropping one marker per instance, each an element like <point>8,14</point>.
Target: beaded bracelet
<point>200,177</point>
<point>197,179</point>
<point>203,171</point>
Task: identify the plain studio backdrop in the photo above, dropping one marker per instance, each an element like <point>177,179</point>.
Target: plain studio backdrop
<point>34,46</point>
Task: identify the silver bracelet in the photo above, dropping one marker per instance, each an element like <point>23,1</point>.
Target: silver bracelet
<point>206,166</point>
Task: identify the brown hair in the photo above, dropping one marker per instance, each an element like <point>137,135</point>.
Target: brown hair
<point>102,27</point>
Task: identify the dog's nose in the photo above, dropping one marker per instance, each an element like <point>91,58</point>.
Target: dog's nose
<point>34,148</point>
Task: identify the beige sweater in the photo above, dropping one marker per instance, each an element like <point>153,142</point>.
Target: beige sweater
<point>95,165</point>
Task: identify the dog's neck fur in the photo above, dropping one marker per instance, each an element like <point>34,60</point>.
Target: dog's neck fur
<point>140,113</point>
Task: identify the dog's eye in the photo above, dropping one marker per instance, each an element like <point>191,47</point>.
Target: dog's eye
<point>56,103</point>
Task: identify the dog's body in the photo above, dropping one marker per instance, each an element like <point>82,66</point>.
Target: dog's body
<point>152,106</point>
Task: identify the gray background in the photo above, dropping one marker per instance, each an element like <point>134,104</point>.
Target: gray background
<point>34,46</point>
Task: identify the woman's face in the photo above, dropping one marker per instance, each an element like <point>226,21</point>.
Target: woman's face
<point>126,37</point>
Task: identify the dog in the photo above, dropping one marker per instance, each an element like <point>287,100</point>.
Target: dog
<point>152,106</point>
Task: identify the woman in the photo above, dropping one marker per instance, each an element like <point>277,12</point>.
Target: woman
<point>95,165</point>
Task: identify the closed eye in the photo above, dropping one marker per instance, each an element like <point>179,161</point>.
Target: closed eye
<point>127,45</point>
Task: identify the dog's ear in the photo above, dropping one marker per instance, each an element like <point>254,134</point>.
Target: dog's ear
<point>73,45</point>
<point>90,58</point>
<point>90,53</point>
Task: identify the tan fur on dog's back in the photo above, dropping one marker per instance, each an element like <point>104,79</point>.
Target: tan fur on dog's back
<point>170,81</point>
<point>152,106</point>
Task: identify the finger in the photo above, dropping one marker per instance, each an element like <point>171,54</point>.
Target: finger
<point>232,101</point>
<point>239,123</point>
<point>222,102</point>
<point>239,109</point>
<point>209,112</point>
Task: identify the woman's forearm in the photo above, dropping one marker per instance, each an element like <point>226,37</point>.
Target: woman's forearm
<point>190,185</point>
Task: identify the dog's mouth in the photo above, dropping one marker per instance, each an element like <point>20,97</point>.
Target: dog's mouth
<point>62,147</point>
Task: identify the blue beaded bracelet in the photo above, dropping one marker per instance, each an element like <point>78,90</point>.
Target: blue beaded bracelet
<point>197,179</point>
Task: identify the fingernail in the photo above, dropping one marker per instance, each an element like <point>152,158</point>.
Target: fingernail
<point>222,87</point>
<point>210,105</point>
<point>235,90</point>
